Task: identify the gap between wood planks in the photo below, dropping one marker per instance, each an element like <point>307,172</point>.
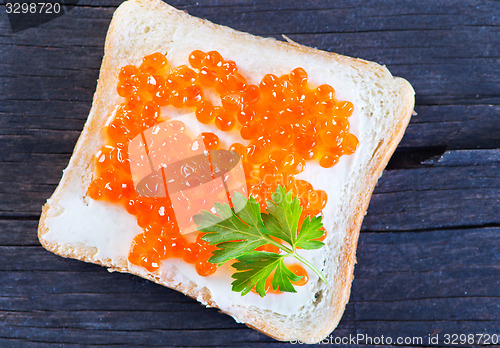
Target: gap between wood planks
<point>416,194</point>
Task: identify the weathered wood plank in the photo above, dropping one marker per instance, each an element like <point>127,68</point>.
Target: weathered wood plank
<point>233,337</point>
<point>426,276</point>
<point>435,59</point>
<point>246,337</point>
<point>154,337</point>
<point>35,258</point>
<point>113,327</point>
<point>404,272</point>
<point>427,249</point>
<point>74,327</point>
<point>62,60</point>
<point>90,287</point>
<point>426,198</point>
<point>419,197</point>
<point>18,232</point>
<point>317,17</point>
<point>449,260</point>
<point>465,158</point>
<point>178,339</point>
<point>454,127</point>
<point>432,208</point>
<point>406,283</point>
<point>22,147</point>
<point>439,157</point>
<point>415,329</point>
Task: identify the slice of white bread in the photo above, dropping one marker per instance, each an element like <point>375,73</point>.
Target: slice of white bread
<point>73,225</point>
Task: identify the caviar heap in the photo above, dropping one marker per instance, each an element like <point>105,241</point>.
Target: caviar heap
<point>284,122</point>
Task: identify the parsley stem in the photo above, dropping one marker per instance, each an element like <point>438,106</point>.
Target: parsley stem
<point>310,265</point>
<point>279,245</point>
<point>298,257</point>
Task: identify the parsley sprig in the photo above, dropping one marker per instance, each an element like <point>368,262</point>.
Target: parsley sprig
<point>238,231</point>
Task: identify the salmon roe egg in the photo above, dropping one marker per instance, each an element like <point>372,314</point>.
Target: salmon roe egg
<point>298,77</point>
<point>298,270</point>
<point>224,120</point>
<point>205,112</point>
<point>240,149</point>
<point>211,140</point>
<point>154,63</point>
<point>328,160</point>
<point>196,59</point>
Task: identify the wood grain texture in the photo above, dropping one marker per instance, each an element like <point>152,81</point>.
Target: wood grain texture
<point>406,284</point>
<point>428,253</point>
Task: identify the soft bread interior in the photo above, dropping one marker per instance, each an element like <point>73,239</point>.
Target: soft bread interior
<point>72,225</point>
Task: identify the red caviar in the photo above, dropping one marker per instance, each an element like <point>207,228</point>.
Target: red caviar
<point>285,120</point>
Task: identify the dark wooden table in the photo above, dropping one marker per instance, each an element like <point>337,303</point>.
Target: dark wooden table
<point>429,250</point>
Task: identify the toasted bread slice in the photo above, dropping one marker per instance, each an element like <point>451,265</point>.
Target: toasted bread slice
<point>73,225</point>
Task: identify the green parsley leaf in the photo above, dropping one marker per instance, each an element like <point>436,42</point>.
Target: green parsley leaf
<point>286,210</point>
<point>238,231</point>
<point>234,233</point>
<point>254,269</point>
<point>309,231</point>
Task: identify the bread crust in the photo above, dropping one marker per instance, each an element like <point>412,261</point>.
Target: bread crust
<point>378,164</point>
<point>81,169</point>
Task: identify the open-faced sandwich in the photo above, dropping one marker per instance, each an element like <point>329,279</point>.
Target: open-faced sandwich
<point>232,168</point>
